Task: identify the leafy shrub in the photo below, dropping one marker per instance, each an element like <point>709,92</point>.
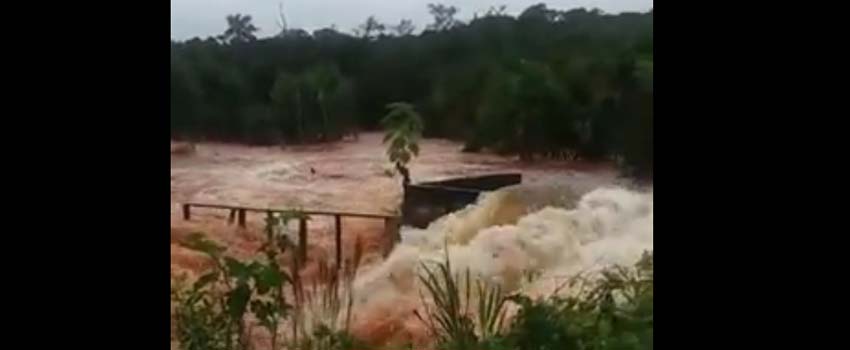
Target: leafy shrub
<point>403,130</point>
<point>213,312</point>
<point>614,313</point>
<point>210,314</point>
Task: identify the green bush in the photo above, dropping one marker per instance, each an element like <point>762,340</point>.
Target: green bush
<point>213,312</point>
<point>403,129</point>
<point>613,311</point>
<point>210,314</point>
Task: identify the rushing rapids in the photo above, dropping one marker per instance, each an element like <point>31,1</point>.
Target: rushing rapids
<point>543,229</point>
<point>552,231</point>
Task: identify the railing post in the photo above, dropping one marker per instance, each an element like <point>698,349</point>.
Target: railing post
<point>269,229</point>
<point>302,240</point>
<point>241,217</point>
<point>186,211</point>
<point>338,226</point>
<point>231,217</point>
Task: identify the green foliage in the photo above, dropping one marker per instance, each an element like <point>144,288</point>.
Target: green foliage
<point>404,27</point>
<point>239,29</point>
<point>522,104</point>
<point>312,104</point>
<point>370,29</point>
<point>443,17</point>
<point>214,312</point>
<point>546,83</point>
<point>449,313</point>
<point>288,95</point>
<point>324,338</point>
<point>209,315</point>
<point>613,311</point>
<point>637,150</point>
<point>199,318</point>
<point>403,129</point>
<point>324,80</point>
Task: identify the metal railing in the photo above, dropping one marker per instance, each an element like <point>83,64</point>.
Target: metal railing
<point>391,223</point>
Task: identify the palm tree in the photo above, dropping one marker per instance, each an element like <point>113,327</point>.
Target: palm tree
<point>403,126</point>
<point>239,29</point>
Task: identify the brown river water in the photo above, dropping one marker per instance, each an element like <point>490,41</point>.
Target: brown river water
<point>353,176</point>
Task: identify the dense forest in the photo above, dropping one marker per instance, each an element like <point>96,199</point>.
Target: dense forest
<point>546,83</point>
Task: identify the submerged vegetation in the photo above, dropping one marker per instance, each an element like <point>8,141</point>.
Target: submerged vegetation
<point>545,83</point>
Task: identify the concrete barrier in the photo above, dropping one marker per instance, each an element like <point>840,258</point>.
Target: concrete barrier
<point>427,201</point>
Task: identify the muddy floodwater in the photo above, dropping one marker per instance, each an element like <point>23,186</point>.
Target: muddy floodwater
<point>351,176</point>
<point>496,237</point>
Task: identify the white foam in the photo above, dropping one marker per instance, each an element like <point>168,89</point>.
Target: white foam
<point>511,232</point>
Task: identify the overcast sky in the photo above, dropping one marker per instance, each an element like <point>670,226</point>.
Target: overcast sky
<point>202,18</point>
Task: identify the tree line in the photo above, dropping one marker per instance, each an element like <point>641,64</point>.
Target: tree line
<point>545,83</point>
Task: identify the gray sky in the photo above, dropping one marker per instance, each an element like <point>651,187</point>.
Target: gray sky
<point>202,18</point>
